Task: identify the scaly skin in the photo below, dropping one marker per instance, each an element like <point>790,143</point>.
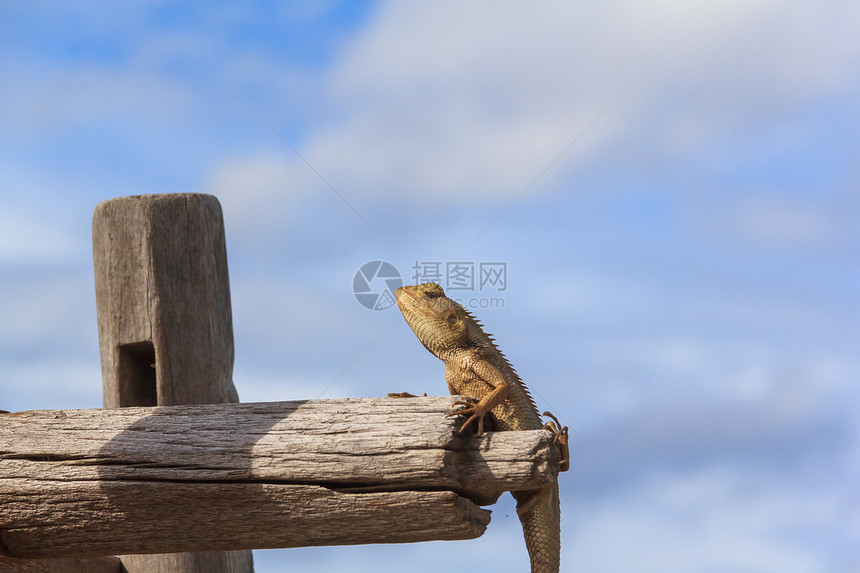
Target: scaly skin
<point>475,367</point>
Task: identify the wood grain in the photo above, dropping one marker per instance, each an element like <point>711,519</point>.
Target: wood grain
<point>61,565</point>
<point>162,289</point>
<point>165,323</point>
<point>255,475</point>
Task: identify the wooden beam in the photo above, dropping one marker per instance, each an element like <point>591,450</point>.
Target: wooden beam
<point>256,475</point>
<point>61,565</point>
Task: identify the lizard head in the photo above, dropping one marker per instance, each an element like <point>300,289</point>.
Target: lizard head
<point>439,323</point>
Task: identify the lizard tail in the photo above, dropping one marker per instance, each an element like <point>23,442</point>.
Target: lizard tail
<point>540,514</point>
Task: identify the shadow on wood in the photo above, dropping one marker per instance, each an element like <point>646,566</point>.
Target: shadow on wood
<point>165,324</point>
<point>257,475</point>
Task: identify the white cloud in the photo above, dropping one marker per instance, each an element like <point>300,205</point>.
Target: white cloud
<point>258,190</point>
<point>49,384</point>
<point>27,238</point>
<point>264,308</point>
<point>475,100</point>
<point>770,218</point>
<point>52,308</point>
<point>255,387</point>
<point>49,99</point>
<point>714,521</point>
<point>786,224</point>
<point>35,223</point>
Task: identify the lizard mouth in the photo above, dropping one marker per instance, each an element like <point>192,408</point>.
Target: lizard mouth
<point>402,295</point>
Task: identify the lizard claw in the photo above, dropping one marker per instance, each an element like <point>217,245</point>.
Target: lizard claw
<point>473,410</point>
<point>467,402</point>
<point>560,439</point>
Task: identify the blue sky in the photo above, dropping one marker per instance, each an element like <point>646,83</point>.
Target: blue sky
<point>682,280</point>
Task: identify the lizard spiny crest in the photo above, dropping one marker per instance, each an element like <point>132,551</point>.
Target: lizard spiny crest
<point>475,369</point>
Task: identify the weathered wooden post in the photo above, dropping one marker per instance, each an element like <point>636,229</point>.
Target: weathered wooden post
<point>165,324</point>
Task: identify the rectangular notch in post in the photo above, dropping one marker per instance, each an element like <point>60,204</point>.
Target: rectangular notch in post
<point>137,378</point>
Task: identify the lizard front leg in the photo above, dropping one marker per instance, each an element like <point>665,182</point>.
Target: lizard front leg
<point>472,375</point>
<point>478,410</point>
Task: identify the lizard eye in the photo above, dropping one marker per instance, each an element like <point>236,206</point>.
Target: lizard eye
<point>431,295</point>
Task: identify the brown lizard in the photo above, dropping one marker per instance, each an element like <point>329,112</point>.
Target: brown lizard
<point>475,367</point>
